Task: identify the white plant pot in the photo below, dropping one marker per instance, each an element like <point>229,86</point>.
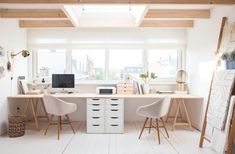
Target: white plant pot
<point>146,88</point>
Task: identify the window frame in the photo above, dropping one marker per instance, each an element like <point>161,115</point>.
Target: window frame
<point>181,64</point>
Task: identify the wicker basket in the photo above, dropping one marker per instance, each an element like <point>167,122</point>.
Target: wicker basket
<point>16,125</point>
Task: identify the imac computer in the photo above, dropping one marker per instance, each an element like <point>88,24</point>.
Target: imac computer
<point>63,81</point>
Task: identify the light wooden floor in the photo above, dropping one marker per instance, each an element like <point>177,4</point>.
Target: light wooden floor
<point>181,141</point>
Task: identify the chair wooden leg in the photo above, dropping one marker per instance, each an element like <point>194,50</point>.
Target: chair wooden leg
<point>58,127</point>
<point>150,125</point>
<point>49,123</point>
<point>158,132</point>
<point>143,127</point>
<point>60,124</point>
<point>164,127</point>
<point>70,123</point>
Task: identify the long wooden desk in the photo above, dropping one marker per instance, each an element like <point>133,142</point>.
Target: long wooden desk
<point>33,100</point>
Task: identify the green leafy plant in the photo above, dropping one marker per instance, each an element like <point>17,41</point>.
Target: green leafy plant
<point>228,56</point>
<point>146,77</point>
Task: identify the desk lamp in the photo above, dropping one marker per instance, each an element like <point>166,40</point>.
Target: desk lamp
<point>181,79</point>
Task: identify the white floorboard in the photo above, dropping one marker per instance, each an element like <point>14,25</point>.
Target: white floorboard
<point>181,141</point>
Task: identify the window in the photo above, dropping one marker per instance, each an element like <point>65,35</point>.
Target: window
<point>88,64</point>
<point>124,63</point>
<point>108,64</point>
<point>163,62</point>
<point>51,62</point>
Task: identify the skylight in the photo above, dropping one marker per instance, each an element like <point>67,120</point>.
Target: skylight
<point>105,15</point>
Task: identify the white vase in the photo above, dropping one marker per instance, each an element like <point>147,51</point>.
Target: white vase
<point>146,88</point>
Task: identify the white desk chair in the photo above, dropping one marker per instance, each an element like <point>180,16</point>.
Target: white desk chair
<point>156,110</point>
<point>58,108</point>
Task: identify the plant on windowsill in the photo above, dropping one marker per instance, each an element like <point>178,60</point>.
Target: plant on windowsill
<point>229,59</point>
<point>146,77</point>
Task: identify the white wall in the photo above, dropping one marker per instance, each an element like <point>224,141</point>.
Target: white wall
<point>106,38</point>
<point>201,45</point>
<point>11,39</point>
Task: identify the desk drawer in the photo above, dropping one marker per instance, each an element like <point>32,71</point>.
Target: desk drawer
<point>95,112</point>
<point>114,120</point>
<point>115,113</point>
<point>95,125</point>
<point>115,125</point>
<point>114,103</point>
<point>95,101</point>
<point>115,128</point>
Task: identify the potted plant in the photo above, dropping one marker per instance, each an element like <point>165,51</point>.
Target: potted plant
<point>146,77</point>
<point>229,58</point>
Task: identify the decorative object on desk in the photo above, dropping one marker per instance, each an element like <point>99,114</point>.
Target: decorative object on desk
<point>181,79</point>
<point>229,59</point>
<point>146,77</point>
<point>128,78</point>
<point>125,88</point>
<point>43,80</point>
<point>24,53</point>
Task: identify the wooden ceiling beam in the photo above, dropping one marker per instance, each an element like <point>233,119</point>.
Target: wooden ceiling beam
<point>167,23</point>
<point>32,14</point>
<point>121,1</point>
<point>179,14</point>
<point>45,24</point>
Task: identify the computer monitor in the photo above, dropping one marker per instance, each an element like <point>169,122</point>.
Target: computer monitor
<point>62,80</point>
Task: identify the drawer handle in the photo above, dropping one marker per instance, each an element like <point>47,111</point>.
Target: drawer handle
<point>114,104</point>
<point>114,125</point>
<point>95,110</point>
<point>114,99</point>
<point>95,117</point>
<point>95,125</point>
<point>114,109</point>
<point>96,104</point>
<point>114,117</point>
<point>95,99</point>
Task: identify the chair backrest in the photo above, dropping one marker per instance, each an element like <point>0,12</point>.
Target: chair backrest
<point>53,105</point>
<point>160,107</point>
<point>165,104</point>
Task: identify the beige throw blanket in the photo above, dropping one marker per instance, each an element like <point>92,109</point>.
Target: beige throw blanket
<point>222,86</point>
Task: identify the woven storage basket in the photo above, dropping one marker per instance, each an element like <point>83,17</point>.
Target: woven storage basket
<point>16,125</point>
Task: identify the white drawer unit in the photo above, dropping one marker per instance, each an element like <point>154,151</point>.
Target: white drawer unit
<point>105,115</point>
<point>114,115</point>
<point>95,115</point>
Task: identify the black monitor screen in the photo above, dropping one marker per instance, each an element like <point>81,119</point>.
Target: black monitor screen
<point>62,80</point>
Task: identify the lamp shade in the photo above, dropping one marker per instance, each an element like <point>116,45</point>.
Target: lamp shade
<point>181,76</point>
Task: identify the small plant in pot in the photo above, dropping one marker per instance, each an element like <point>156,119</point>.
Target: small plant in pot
<point>229,58</point>
<point>146,77</point>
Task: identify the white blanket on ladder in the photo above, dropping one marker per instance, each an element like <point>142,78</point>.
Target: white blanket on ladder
<point>222,86</point>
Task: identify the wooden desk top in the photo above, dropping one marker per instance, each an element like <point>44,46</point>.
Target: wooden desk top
<point>87,95</point>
